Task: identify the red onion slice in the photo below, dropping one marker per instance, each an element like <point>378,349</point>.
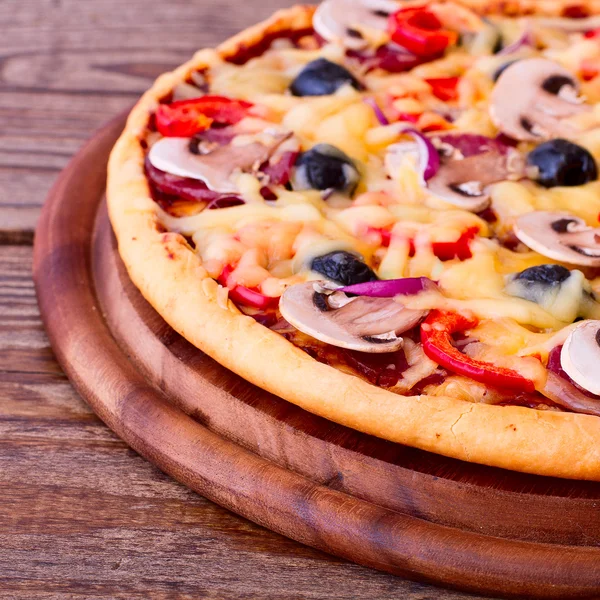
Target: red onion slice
<point>389,288</point>
<point>383,120</point>
<point>555,366</point>
<point>525,39</point>
<point>562,390</point>
<point>279,168</point>
<point>567,396</point>
<point>429,158</point>
<point>390,58</point>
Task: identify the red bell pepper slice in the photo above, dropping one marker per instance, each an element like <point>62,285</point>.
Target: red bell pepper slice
<point>449,250</point>
<point>420,32</point>
<point>444,88</point>
<point>589,69</point>
<point>186,118</point>
<point>246,296</point>
<point>436,332</point>
<point>459,249</point>
<point>384,234</point>
<point>409,117</point>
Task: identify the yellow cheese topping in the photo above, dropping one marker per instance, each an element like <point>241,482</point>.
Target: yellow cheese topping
<point>271,242</point>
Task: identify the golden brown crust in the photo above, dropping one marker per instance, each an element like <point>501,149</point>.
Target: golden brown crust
<point>171,277</point>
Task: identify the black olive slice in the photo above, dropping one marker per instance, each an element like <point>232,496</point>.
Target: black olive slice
<point>343,268</point>
<point>323,78</point>
<point>545,274</point>
<point>560,162</point>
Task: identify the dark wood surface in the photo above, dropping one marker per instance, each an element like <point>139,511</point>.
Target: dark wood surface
<point>82,515</point>
<point>396,509</point>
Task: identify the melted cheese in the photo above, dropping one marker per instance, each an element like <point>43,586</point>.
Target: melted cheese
<point>273,242</point>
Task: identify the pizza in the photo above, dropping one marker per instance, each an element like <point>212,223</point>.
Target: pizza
<point>387,213</point>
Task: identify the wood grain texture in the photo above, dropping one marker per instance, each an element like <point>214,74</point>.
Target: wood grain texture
<point>82,515</point>
<point>438,489</point>
<point>68,66</point>
<point>264,488</point>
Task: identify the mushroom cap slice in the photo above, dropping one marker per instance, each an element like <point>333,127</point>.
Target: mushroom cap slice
<point>560,236</point>
<point>215,168</point>
<point>580,356</point>
<point>459,180</point>
<point>533,97</point>
<point>463,182</point>
<point>354,326</point>
<point>336,20</point>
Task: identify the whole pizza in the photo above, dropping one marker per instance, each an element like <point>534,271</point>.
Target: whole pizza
<point>387,213</point>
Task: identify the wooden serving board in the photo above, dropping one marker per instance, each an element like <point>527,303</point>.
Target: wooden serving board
<point>380,504</point>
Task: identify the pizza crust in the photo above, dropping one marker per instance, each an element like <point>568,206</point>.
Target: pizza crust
<point>171,277</point>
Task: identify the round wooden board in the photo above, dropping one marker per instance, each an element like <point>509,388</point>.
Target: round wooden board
<point>379,504</point>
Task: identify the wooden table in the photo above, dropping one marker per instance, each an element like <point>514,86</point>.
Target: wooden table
<point>81,515</point>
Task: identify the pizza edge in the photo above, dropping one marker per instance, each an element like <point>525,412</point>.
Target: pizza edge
<point>171,278</point>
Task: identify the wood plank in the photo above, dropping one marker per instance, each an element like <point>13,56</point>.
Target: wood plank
<point>68,67</point>
<point>477,547</point>
<point>24,347</point>
<point>85,517</point>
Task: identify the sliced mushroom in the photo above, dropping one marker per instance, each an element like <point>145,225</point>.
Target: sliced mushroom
<point>461,181</point>
<point>361,323</point>
<point>339,20</point>
<point>580,356</point>
<point>560,236</point>
<point>217,165</point>
<point>532,99</point>
<point>464,182</point>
